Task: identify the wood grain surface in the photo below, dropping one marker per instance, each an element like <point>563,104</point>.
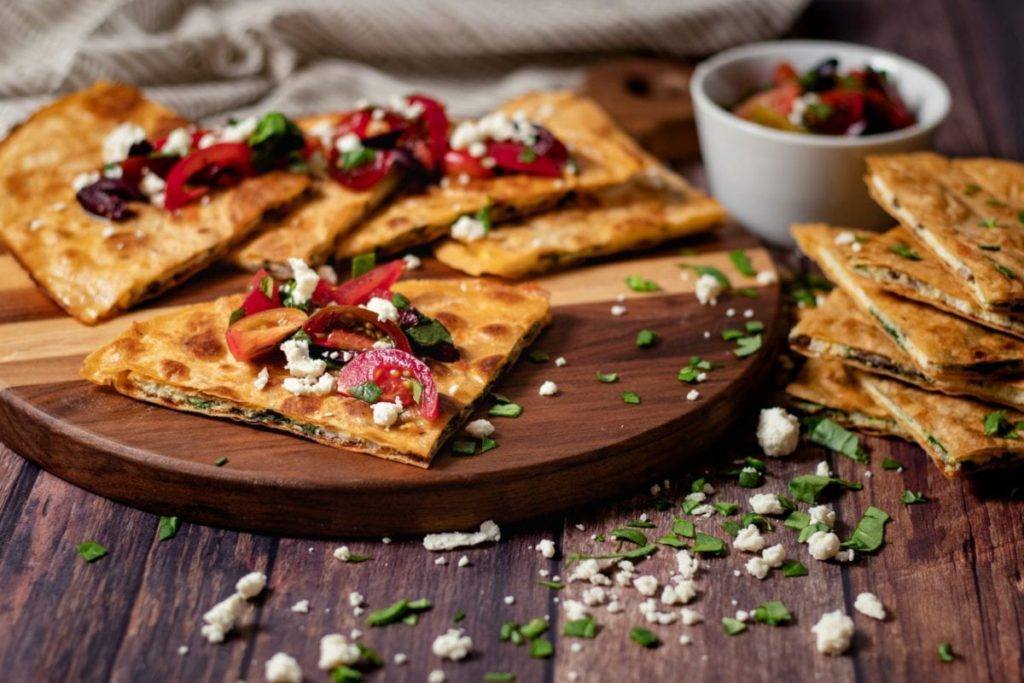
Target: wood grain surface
<point>951,570</point>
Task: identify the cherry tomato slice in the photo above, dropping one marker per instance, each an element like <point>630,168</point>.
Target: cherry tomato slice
<point>364,368</point>
<point>459,161</point>
<point>353,329</point>
<point>364,176</point>
<point>359,290</point>
<point>785,73</point>
<point>435,123</point>
<point>255,335</point>
<point>512,156</point>
<point>235,156</point>
<point>263,293</point>
<point>846,107</point>
<point>394,384</point>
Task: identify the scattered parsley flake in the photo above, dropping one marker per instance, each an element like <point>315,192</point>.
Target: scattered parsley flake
<point>793,568</point>
<point>631,535</point>
<point>913,497</point>
<point>890,464</point>
<point>733,627</point>
<point>726,508</point>
<point>905,251</point>
<point>221,461</point>
<point>708,545</point>
<point>580,628</point>
<point>772,613</point>
<point>506,410</point>
<point>363,263</point>
<point>538,356</point>
<point>640,284</point>
<point>646,338</point>
<point>90,551</point>
<point>742,262</point>
<point>499,677</point>
<point>607,377</point>
<point>167,528</point>
<point>747,346</point>
<point>643,637</point>
<point>553,585</point>
<point>630,397</point>
<point>710,270</point>
<point>541,648</point>
<point>945,651</point>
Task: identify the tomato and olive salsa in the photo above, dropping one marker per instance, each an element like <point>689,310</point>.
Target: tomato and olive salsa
<point>357,337</point>
<point>827,102</point>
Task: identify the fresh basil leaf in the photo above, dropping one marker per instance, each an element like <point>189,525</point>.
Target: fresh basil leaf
<point>90,551</point>
<point>646,338</point>
<point>890,464</point>
<point>640,284</point>
<point>913,497</point>
<point>630,397</point>
<point>747,346</point>
<point>772,613</point>
<point>368,392</point>
<point>643,637</point>
<point>167,528</point>
<point>364,263</point>
<point>742,262</point>
<point>580,628</point>
<point>825,432</point>
<point>793,568</point>
<point>683,527</point>
<point>726,508</point>
<point>276,141</point>
<point>506,410</point>
<point>428,333</point>
<point>708,545</point>
<point>541,648</point>
<point>733,627</point>
<point>607,377</point>
<point>533,628</point>
<point>671,540</point>
<point>631,535</point>
<point>869,534</point>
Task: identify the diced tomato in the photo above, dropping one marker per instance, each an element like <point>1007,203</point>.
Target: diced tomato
<point>255,335</point>
<point>458,162</point>
<point>513,156</point>
<point>890,109</point>
<point>771,107</point>
<point>367,175</point>
<point>361,289</point>
<point>846,109</point>
<point>785,73</point>
<point>257,299</point>
<point>435,123</point>
<point>353,329</point>
<point>233,156</point>
<point>393,370</point>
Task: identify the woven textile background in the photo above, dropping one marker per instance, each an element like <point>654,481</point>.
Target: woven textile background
<point>300,56</point>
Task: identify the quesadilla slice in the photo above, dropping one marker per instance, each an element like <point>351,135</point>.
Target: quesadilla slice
<point>940,344</point>
<point>471,198</point>
<point>654,206</point>
<point>828,388</point>
<point>960,435</point>
<point>112,198</point>
<point>392,375</point>
<point>968,211</point>
<point>357,158</point>
<point>898,263</point>
<point>839,330</point>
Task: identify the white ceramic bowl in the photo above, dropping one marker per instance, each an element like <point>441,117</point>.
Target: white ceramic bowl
<point>770,178</point>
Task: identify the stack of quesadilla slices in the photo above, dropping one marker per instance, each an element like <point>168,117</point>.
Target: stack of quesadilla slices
<point>923,336</point>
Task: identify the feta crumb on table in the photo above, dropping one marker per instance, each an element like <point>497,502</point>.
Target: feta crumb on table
<point>774,556</point>
<point>452,644</point>
<point>546,548</point>
<point>646,585</point>
<point>489,532</point>
<point>707,288</point>
<point>766,504</point>
<point>618,310</point>
<point>336,650</point>
<point>778,432</point>
<point>749,540</point>
<point>833,633</point>
<point>869,604</point>
<point>822,514</point>
<point>823,545</point>
<point>436,676</point>
<point>282,668</point>
<point>251,585</point>
<point>757,567</point>
<point>480,429</point>
<point>220,618</point>
<point>548,388</point>
<point>301,607</point>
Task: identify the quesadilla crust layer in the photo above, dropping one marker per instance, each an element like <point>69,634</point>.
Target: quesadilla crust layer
<point>180,360</point>
<point>94,268</point>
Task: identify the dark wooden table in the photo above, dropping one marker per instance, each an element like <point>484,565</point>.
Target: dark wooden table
<point>951,570</point>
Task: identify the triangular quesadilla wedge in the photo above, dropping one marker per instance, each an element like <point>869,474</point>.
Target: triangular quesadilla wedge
<point>603,155</point>
<point>940,344</point>
<point>900,264</point>
<point>180,360</point>
<point>311,230</point>
<point>960,435</point>
<point>837,329</point>
<point>968,211</point>
<point>827,388</point>
<point>656,205</point>
<point>92,267</point>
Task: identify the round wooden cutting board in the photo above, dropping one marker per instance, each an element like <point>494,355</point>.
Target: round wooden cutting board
<point>563,451</point>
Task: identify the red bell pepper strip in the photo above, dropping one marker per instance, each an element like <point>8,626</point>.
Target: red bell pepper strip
<point>233,155</point>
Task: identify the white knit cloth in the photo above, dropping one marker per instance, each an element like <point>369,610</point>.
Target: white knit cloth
<point>303,56</point>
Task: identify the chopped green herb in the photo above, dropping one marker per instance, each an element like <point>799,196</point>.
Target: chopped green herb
<point>506,410</point>
<point>742,262</point>
<point>1020,216</point>
<point>463,447</point>
<point>996,424</point>
<point>634,554</point>
<point>708,545</point>
<point>276,139</point>
<point>757,520</point>
<point>640,524</point>
<point>786,503</point>
<point>747,346</point>
<point>639,284</point>
<point>905,251</point>
<point>499,677</point>
<point>236,315</point>
<point>890,464</point>
<point>809,531</point>
<point>345,674</point>
<point>509,631</point>
<point>869,534</point>
<point>487,444</point>
<point>90,551</point>
<point>683,527</point>
<point>411,619</point>
<point>541,648</point>
<point>672,541</point>
<point>534,628</point>
<point>607,377</point>
<point>221,461</point>
<point>946,654</point>
<point>580,628</point>
<point>793,568</point>
<point>397,612</point>
<point>808,487</point>
<point>697,485</point>
<point>538,356</point>
<point>913,497</point>
<point>459,616</point>
<point>167,528</point>
<point>368,391</point>
<point>484,216</point>
<point>732,333</point>
<point>754,326</point>
<point>646,338</point>
<point>689,506</point>
<point>972,189</point>
<point>756,463</point>
<point>825,432</point>
<point>731,527</point>
<point>733,627</point>
<point>643,637</point>
<point>988,223</point>
<point>712,271</point>
<point>631,535</point>
<point>749,292</point>
<point>527,155</point>
<point>750,478</point>
<point>726,509</point>
<point>797,520</point>
<point>399,300</point>
<point>630,397</point>
<point>553,585</point>
<point>772,613</point>
<point>428,333</point>
<point>1003,270</point>
<point>992,201</point>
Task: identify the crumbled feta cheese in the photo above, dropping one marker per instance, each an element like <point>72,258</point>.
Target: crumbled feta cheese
<point>298,362</point>
<point>690,616</point>
<point>730,312</point>
<point>685,639</point>
<point>307,386</point>
<point>823,545</point>
<point>767,277</point>
<point>480,429</point>
<point>452,644</point>
<point>441,561</point>
<point>342,553</point>
<point>548,388</point>
<point>774,555</point>
<point>845,237</point>
<point>261,380</point>
<point>692,395</point>
<point>560,362</point>
<point>178,142</point>
<point>305,280</point>
<point>510,599</point>
<point>822,469</point>
<point>463,561</point>
<point>822,514</point>
<point>749,540</point>
<point>251,585</point>
<point>497,126</point>
<point>385,310</point>
<point>349,142</point>
<point>845,555</point>
<point>870,605</point>
<point>686,564</point>
<point>119,142</point>
<point>546,548</point>
<point>833,633</point>
<point>355,599</point>
<point>301,607</point>
<point>574,610</point>
<point>646,585</point>
<point>614,607</point>
<point>766,504</point>
<point>707,289</point>
<point>594,596</point>
<point>239,131</point>
<point>220,618</point>
<point>749,313</point>
<point>468,229</point>
<point>436,676</point>
<point>400,658</point>
<point>385,413</point>
<point>84,180</point>
<point>489,532</point>
<point>183,650</point>
<point>618,310</point>
<point>282,668</point>
<point>585,570</point>
<point>778,432</point>
<point>696,496</point>
<point>757,567</point>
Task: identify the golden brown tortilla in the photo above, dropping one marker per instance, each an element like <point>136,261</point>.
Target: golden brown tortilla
<point>654,206</point>
<point>839,330</point>
<point>950,430</point>
<point>900,264</point>
<point>180,360</point>
<point>955,207</point>
<point>830,389</point>
<point>94,268</point>
<point>311,231</point>
<point>604,156</point>
<point>940,344</point>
